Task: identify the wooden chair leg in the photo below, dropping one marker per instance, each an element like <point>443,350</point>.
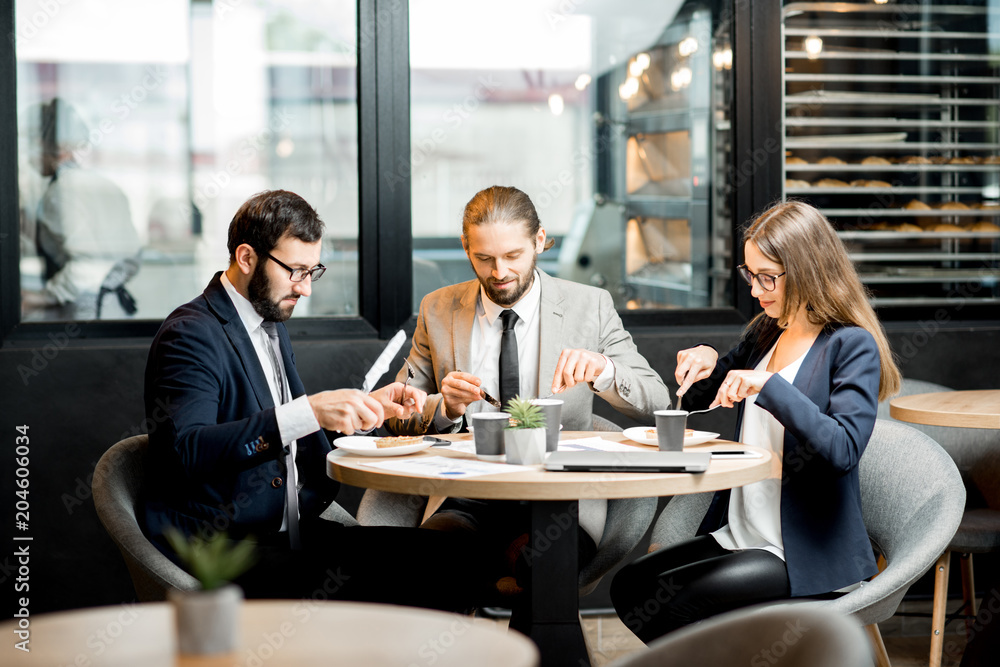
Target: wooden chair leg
<point>881,656</point>
<point>941,569</point>
<point>968,593</point>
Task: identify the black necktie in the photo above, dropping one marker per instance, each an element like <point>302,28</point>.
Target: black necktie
<point>291,476</point>
<point>509,377</point>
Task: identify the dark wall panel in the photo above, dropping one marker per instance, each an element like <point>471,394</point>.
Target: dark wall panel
<point>81,397</point>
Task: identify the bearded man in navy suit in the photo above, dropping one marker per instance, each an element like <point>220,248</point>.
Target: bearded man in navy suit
<point>237,415</point>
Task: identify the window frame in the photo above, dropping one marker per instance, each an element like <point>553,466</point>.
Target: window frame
<point>385,239</point>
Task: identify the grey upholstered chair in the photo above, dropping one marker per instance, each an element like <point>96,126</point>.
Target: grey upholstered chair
<point>802,635</point>
<point>625,526</point>
<point>117,485</point>
<point>976,452</point>
<point>912,501</point>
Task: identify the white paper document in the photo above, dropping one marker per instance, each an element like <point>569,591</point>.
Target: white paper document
<point>446,466</point>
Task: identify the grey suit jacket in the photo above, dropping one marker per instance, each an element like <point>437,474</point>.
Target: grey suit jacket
<point>572,315</point>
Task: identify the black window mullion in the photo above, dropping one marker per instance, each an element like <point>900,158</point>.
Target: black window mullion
<point>10,228</point>
<point>756,123</point>
<point>385,238</point>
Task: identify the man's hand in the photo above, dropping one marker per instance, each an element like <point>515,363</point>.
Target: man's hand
<point>396,403</point>
<point>459,390</point>
<point>346,410</point>
<point>693,364</point>
<point>576,366</point>
<point>738,385</point>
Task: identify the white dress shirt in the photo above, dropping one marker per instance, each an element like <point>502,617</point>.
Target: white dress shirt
<point>295,418</point>
<point>755,509</point>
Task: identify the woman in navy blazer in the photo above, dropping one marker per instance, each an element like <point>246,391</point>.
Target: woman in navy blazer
<point>806,378</point>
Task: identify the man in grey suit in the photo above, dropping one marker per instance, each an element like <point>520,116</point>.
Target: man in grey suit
<point>569,342</point>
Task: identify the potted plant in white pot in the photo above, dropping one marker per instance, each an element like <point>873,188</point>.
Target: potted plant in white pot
<point>207,620</point>
<point>524,437</point>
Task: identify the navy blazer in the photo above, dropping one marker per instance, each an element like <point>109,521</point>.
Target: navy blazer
<point>829,414</point>
<point>216,458</point>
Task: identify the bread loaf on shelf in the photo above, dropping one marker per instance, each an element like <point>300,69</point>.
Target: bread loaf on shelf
<point>862,183</point>
<point>831,160</point>
<point>875,160</point>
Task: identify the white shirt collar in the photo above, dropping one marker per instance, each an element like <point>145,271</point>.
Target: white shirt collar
<point>250,317</point>
<point>525,308</point>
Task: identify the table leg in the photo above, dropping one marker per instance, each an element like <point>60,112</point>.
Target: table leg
<point>551,615</point>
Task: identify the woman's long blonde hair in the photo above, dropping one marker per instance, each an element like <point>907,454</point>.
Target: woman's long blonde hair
<point>819,275</point>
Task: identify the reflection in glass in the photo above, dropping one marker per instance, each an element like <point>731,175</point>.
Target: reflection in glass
<point>182,110</point>
<point>600,112</point>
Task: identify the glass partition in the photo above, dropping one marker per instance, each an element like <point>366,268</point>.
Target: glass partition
<point>142,128</point>
<point>539,95</point>
<point>891,127</point>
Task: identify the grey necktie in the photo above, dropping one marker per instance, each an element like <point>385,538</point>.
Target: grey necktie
<point>291,475</point>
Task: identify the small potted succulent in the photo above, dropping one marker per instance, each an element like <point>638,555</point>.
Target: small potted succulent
<point>207,620</point>
<point>524,437</point>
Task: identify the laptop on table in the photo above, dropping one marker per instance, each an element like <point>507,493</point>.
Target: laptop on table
<point>638,461</point>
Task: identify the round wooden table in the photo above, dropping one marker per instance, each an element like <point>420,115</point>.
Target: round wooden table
<point>288,633</point>
<point>551,616</point>
<point>969,409</point>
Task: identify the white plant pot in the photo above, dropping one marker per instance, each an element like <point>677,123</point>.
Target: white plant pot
<point>525,446</point>
<point>207,622</point>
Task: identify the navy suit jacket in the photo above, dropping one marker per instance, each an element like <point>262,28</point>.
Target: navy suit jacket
<point>216,458</point>
<point>829,414</point>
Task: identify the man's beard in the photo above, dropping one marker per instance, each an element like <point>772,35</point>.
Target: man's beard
<point>260,296</point>
<point>510,296</point>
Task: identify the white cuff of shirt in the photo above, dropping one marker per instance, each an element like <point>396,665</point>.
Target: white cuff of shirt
<point>296,419</point>
<point>606,379</point>
<point>441,420</point>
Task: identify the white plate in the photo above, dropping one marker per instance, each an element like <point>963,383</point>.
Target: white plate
<point>639,434</point>
<point>364,445</point>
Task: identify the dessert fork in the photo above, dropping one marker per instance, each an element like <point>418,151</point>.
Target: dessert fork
<point>409,376</point>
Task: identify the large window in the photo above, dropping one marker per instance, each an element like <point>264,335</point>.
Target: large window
<point>143,126</point>
<point>602,112</point>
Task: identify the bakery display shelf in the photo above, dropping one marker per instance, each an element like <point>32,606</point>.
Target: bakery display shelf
<point>910,9</point>
<point>912,147</point>
<point>896,190</point>
<point>891,78</point>
<point>886,235</point>
<point>818,121</point>
<point>907,168</point>
<point>876,212</point>
<point>932,301</point>
<point>792,54</point>
<point>887,99</point>
<point>897,275</point>
<point>862,257</point>
<point>879,33</point>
